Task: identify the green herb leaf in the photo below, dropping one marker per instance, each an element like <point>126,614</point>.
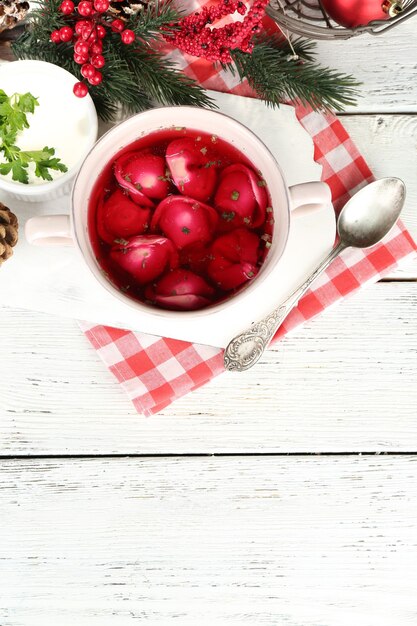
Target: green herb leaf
<point>13,119</point>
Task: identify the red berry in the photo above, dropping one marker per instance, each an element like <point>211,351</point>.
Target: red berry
<point>80,58</point>
<point>66,33</point>
<point>98,61</point>
<point>96,47</point>
<point>128,36</point>
<point>117,26</point>
<point>80,26</point>
<point>101,6</point>
<point>81,48</point>
<point>56,36</point>
<point>89,35</point>
<point>96,78</point>
<point>85,8</point>
<point>80,90</point>
<point>67,7</point>
<point>88,70</point>
<point>101,31</point>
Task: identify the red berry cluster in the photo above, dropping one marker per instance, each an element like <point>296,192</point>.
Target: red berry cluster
<point>194,34</point>
<point>87,34</point>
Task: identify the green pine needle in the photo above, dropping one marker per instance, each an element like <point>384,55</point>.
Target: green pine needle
<point>278,72</point>
<point>134,77</point>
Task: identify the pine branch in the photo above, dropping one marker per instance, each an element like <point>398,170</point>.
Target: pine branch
<point>133,77</point>
<point>154,20</point>
<point>276,74</point>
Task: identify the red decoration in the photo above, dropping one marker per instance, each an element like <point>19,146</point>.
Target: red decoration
<point>128,36</point>
<point>87,70</point>
<point>101,5</point>
<point>96,78</point>
<point>117,25</point>
<point>67,7</point>
<point>85,8</point>
<point>55,36</point>
<point>195,35</point>
<point>66,33</point>
<point>352,13</point>
<point>80,90</point>
<point>98,61</point>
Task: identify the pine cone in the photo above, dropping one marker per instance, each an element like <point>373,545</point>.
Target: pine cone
<point>8,232</point>
<point>124,9</point>
<point>12,12</point>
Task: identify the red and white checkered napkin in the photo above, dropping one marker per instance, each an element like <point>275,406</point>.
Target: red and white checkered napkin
<point>155,371</point>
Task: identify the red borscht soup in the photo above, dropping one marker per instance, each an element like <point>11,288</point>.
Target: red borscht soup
<point>180,219</point>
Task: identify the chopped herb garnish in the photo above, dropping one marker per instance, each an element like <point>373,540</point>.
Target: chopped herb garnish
<point>203,150</point>
<point>179,127</point>
<point>269,209</point>
<point>127,178</point>
<point>246,220</point>
<point>13,119</point>
<point>138,186</point>
<point>211,163</point>
<point>186,230</point>
<point>214,138</point>
<point>228,215</point>
<point>235,195</point>
<point>261,183</point>
<point>268,244</point>
<point>124,288</point>
<point>250,274</point>
<point>121,241</point>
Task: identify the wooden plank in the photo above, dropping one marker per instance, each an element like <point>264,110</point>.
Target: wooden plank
<point>386,66</point>
<point>310,541</point>
<point>389,145</point>
<point>344,382</point>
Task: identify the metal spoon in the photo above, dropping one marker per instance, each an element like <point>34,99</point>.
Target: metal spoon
<point>365,219</point>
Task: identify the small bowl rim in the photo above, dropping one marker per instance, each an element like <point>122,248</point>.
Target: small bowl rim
<point>38,189</point>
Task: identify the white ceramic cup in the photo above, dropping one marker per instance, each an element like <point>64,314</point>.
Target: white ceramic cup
<point>287,202</point>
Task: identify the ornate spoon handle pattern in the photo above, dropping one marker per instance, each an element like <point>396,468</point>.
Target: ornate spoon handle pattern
<point>247,347</point>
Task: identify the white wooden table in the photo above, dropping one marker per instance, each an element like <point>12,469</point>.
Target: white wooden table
<point>217,511</point>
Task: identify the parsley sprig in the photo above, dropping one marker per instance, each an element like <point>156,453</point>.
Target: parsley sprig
<point>13,119</point>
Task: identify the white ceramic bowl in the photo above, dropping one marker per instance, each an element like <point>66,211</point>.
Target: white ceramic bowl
<point>61,121</point>
<point>183,324</point>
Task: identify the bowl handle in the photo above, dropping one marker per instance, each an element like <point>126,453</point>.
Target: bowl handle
<point>307,196</point>
<point>49,230</point>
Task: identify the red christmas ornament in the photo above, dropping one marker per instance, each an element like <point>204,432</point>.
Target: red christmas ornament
<point>85,8</point>
<point>66,33</point>
<point>128,36</point>
<point>98,61</point>
<point>352,13</point>
<point>101,6</point>
<point>80,90</point>
<point>67,7</point>
<point>55,36</point>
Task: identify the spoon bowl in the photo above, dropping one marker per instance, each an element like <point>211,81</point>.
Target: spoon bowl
<point>365,219</point>
<point>371,213</point>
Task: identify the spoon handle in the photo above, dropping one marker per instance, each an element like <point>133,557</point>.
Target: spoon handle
<point>247,347</point>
